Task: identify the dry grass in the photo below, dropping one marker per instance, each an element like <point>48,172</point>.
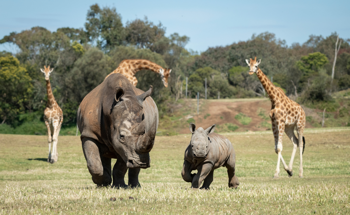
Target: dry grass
<point>29,185</point>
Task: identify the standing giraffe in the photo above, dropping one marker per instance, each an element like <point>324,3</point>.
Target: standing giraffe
<point>129,68</point>
<point>53,117</point>
<point>285,115</point>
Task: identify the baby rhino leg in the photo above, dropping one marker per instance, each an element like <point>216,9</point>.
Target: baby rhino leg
<point>208,180</point>
<point>232,178</point>
<point>203,172</point>
<point>186,172</point>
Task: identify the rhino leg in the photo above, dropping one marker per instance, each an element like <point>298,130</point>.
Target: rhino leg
<point>232,178</point>
<point>203,172</point>
<point>99,167</point>
<point>134,177</point>
<point>119,171</point>
<point>208,180</point>
<point>186,172</point>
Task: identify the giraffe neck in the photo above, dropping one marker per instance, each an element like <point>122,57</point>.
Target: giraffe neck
<point>137,65</point>
<point>50,98</point>
<point>270,89</point>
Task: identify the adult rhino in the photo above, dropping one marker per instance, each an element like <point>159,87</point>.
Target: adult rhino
<point>117,120</point>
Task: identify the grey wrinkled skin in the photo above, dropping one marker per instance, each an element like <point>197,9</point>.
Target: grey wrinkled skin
<point>117,120</point>
<point>206,152</point>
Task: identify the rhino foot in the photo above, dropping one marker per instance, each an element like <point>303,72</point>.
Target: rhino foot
<point>118,186</point>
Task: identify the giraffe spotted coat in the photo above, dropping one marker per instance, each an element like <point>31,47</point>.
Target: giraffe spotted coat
<point>129,68</point>
<point>286,115</point>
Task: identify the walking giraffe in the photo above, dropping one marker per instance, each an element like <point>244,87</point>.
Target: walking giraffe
<point>129,68</point>
<point>286,115</point>
<point>53,117</point>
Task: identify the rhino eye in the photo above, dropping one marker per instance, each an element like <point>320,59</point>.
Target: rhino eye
<point>122,137</point>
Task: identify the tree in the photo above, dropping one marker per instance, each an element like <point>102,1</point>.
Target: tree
<point>104,27</point>
<point>15,89</point>
<point>144,34</point>
<point>216,82</point>
<point>75,34</point>
<point>88,72</point>
<point>311,64</point>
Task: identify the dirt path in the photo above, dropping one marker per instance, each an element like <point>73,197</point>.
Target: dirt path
<point>224,111</point>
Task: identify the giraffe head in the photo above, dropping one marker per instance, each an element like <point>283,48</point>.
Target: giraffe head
<point>253,64</point>
<point>47,72</point>
<point>165,74</point>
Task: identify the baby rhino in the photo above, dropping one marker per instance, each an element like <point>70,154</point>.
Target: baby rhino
<point>208,151</point>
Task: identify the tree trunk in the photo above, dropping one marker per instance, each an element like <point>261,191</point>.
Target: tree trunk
<point>3,121</point>
<point>295,89</point>
<point>335,58</point>
<point>323,117</point>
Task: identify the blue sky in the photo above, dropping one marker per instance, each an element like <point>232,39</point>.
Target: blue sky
<point>207,23</point>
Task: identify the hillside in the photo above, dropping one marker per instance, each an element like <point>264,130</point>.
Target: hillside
<point>239,115</point>
<point>235,115</point>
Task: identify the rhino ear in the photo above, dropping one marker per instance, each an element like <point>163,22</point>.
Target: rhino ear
<point>210,129</point>
<point>144,95</point>
<point>192,128</point>
<point>119,93</point>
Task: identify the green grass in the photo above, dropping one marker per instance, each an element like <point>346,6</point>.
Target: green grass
<point>243,119</point>
<point>206,115</point>
<point>227,127</point>
<point>30,185</point>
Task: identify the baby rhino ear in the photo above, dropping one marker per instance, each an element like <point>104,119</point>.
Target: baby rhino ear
<point>210,129</point>
<point>192,128</point>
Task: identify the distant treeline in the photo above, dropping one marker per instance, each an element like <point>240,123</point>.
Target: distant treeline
<point>82,57</point>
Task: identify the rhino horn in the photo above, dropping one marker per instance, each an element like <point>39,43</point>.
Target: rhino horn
<point>144,95</point>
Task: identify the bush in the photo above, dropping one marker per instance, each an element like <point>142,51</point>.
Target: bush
<point>191,120</point>
<point>318,90</point>
<point>243,119</point>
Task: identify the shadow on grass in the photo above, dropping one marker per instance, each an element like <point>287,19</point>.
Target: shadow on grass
<point>37,159</point>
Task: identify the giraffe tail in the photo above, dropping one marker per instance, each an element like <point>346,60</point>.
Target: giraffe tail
<point>303,144</point>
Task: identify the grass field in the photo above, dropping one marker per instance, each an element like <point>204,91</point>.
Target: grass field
<point>30,185</point>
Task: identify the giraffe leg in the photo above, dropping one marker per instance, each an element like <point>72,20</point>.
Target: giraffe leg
<point>279,147</point>
<point>301,148</point>
<point>56,129</point>
<point>49,139</point>
<point>290,133</point>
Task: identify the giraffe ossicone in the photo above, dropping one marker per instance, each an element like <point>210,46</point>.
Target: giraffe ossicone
<point>286,115</point>
<point>53,117</point>
<point>130,67</point>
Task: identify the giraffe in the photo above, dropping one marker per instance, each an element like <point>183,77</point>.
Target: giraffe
<point>130,67</point>
<point>53,117</point>
<point>286,115</point>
